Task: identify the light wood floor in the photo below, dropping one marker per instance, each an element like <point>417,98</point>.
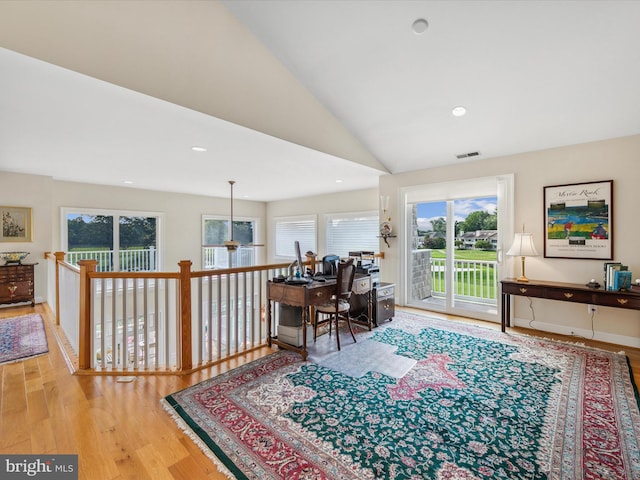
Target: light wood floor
<point>118,430</point>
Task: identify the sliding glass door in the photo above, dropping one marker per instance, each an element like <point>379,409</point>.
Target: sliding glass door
<point>455,233</point>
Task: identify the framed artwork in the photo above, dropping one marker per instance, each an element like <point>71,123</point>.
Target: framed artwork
<point>579,221</point>
<point>16,224</point>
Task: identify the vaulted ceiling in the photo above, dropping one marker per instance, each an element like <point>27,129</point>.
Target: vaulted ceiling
<point>296,98</point>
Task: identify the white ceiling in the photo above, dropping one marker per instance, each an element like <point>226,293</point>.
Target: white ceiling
<point>532,75</point>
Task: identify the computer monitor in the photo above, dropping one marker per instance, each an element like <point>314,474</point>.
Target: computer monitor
<point>297,263</point>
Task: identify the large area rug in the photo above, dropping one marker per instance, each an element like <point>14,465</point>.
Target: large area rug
<point>22,337</point>
<point>469,403</point>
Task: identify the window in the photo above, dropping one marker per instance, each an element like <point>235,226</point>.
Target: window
<point>119,241</point>
<point>215,231</point>
<point>290,229</point>
<point>348,232</point>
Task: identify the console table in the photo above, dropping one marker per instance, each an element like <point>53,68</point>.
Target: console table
<point>564,292</point>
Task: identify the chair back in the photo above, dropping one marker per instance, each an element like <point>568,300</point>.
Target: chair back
<point>344,279</point>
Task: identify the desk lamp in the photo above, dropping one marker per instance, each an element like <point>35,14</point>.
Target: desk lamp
<point>523,246</point>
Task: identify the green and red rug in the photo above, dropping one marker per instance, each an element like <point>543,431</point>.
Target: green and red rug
<point>22,337</point>
<point>476,404</point>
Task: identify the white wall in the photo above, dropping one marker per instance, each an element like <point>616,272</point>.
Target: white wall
<point>615,159</point>
<point>34,192</point>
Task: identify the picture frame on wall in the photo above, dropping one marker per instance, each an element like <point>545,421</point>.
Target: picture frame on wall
<point>579,221</point>
<point>16,224</point>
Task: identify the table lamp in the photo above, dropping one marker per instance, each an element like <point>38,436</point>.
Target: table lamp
<point>523,246</point>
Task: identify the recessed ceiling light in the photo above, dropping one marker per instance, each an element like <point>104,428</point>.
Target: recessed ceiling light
<point>198,149</point>
<point>338,181</point>
<point>127,182</point>
<point>420,26</point>
<point>459,111</point>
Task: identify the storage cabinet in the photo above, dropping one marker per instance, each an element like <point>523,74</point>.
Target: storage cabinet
<point>17,283</point>
<point>384,302</point>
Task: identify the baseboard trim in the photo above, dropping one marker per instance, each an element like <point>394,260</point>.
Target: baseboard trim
<point>578,333</point>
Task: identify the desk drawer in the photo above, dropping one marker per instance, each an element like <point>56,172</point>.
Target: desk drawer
<point>619,299</point>
<point>361,285</point>
<point>523,289</point>
<point>567,295</point>
<point>320,295</point>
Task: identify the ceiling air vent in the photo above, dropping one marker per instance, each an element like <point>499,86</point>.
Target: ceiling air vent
<point>467,155</point>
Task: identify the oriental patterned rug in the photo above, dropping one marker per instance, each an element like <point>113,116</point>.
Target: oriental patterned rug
<point>468,403</point>
<point>22,337</point>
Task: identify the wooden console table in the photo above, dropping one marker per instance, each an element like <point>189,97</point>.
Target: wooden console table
<point>564,292</point>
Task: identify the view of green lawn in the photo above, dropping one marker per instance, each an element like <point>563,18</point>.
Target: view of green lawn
<point>482,278</point>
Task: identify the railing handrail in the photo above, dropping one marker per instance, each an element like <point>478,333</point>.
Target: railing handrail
<point>87,273</point>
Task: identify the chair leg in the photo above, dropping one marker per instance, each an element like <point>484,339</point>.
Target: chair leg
<point>337,329</point>
<point>351,329</point>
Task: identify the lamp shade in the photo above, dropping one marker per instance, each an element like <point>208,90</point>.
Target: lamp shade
<point>523,246</point>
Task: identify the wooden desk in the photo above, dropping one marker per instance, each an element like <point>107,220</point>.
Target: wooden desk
<point>315,293</point>
<point>564,292</point>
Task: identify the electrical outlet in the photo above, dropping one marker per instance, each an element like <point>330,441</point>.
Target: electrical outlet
<point>592,309</point>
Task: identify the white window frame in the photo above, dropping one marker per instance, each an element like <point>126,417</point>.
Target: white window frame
<point>257,255</point>
<point>64,239</point>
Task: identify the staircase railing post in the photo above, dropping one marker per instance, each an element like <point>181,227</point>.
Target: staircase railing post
<point>59,259</point>
<point>84,340</point>
<point>186,361</point>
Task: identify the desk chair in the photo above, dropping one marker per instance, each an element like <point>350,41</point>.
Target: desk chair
<point>338,307</point>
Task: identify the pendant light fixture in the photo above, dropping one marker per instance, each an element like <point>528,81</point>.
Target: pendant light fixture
<point>231,244</point>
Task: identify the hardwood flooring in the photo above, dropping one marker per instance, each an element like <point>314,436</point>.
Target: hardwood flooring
<point>118,430</point>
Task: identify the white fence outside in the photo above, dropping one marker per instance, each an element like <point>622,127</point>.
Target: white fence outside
<point>476,281</point>
<point>133,260</point>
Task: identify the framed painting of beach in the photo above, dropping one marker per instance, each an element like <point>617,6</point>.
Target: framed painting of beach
<point>579,221</point>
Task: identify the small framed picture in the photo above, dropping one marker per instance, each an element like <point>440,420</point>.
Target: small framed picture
<point>579,221</point>
<point>16,224</point>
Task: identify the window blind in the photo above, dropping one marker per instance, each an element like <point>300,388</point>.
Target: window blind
<point>289,229</point>
<point>348,232</point>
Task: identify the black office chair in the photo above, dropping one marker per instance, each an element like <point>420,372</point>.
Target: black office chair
<point>338,307</point>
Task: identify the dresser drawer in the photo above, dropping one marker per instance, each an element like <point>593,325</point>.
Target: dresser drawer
<point>385,309</point>
<point>384,292</point>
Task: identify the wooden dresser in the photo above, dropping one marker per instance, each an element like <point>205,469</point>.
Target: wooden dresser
<point>17,283</point>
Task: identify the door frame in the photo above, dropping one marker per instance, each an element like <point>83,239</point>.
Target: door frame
<point>503,185</point>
